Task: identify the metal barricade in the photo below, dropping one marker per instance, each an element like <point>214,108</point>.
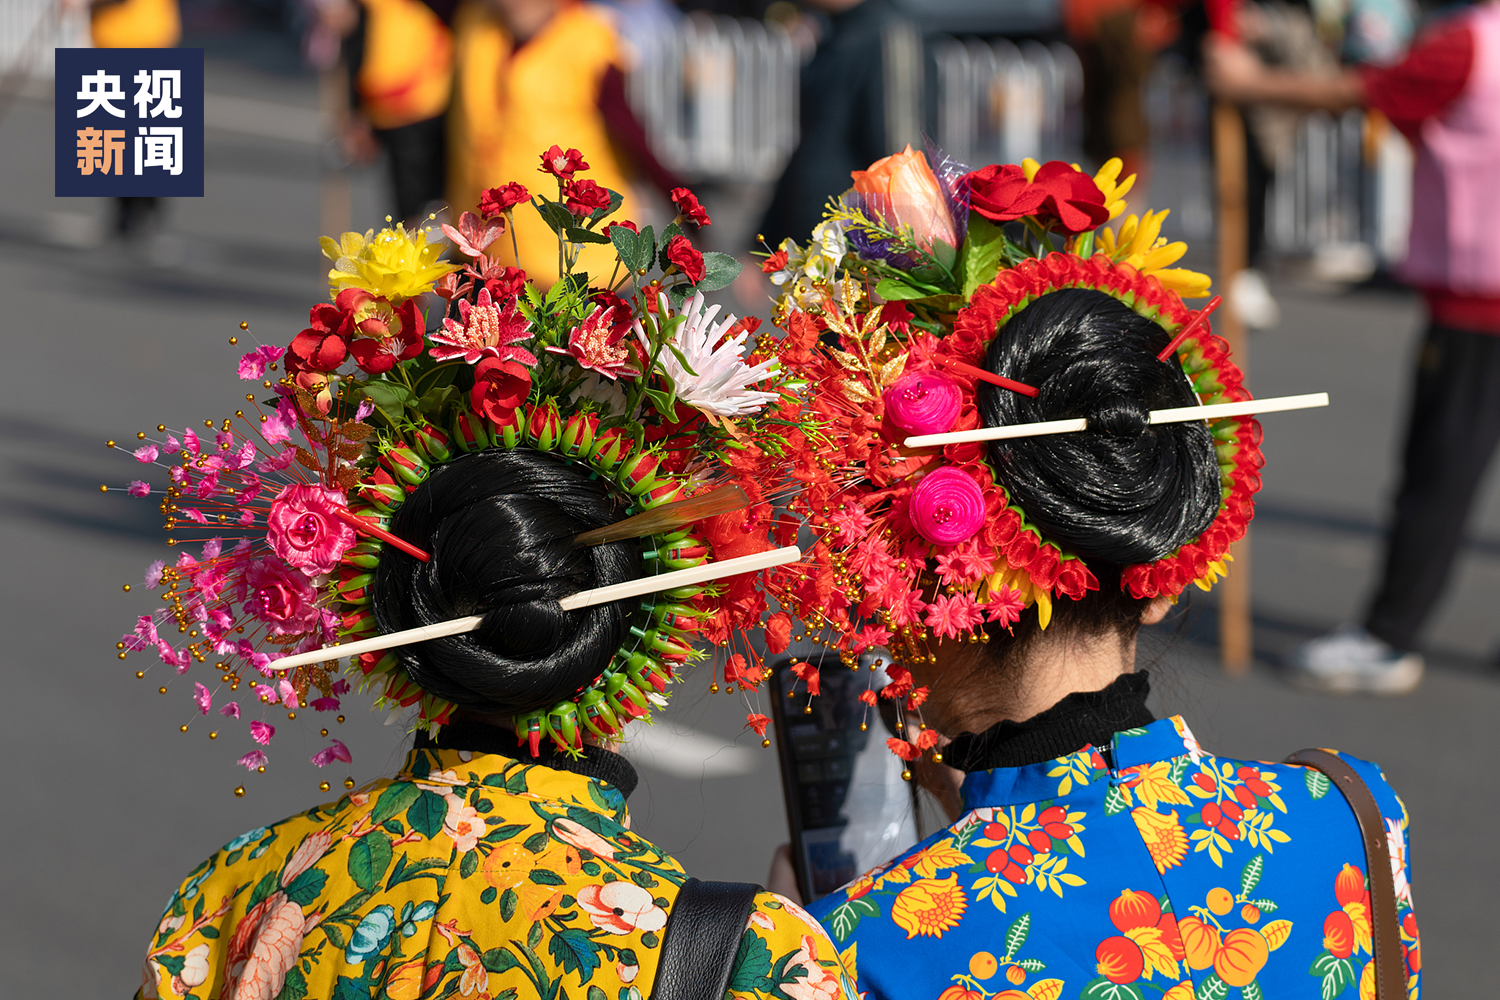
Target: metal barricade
<point>718,98</point>
<point>998,102</point>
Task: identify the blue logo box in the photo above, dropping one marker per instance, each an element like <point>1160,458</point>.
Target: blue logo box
<point>129,123</point>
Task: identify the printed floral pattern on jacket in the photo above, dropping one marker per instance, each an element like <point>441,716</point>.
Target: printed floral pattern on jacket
<point>1148,869</point>
<point>468,875</point>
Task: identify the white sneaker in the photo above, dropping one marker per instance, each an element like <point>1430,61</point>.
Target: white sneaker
<point>1349,659</point>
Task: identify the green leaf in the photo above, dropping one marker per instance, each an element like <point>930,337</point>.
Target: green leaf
<point>1015,937</point>
<point>1252,991</point>
<point>469,865</point>
<point>209,931</point>
<point>575,951</point>
<point>368,859</point>
<point>541,876</point>
<point>488,895</point>
<point>295,986</point>
<point>983,253</point>
<point>508,901</point>
<point>263,888</point>
<point>395,799</point>
<point>842,919</point>
<point>556,216</point>
<point>719,270</point>
<point>172,963</point>
<point>1103,989</point>
<point>346,988</point>
<point>426,815</point>
<point>404,872</point>
<point>389,397</point>
<point>1250,876</point>
<point>665,402</point>
<point>335,935</point>
<point>505,832</point>
<point>499,960</point>
<point>628,246</point>
<point>198,910</point>
<point>536,842</point>
<point>1031,964</point>
<point>616,199</point>
<point>1317,783</point>
<point>307,887</point>
<point>1263,905</point>
<point>535,937</point>
<point>577,235</point>
<point>752,966</point>
<point>1114,801</point>
<point>895,290</point>
<point>595,993</point>
<point>650,940</point>
<point>1212,988</point>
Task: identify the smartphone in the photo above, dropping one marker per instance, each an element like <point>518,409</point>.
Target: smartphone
<point>846,803</point>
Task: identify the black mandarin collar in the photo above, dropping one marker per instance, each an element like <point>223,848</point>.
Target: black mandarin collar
<point>481,737</point>
<point>1083,718</point>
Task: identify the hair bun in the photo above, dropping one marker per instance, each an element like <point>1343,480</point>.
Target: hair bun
<point>1123,491</point>
<point>499,526</point>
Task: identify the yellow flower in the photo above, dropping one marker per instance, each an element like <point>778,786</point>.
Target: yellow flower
<point>1140,244</point>
<point>393,263</point>
<point>929,907</point>
<point>1113,189</point>
<point>1030,166</point>
<point>1005,576</point>
<point>1164,836</point>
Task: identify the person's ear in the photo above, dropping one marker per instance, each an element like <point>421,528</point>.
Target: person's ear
<point>1156,610</point>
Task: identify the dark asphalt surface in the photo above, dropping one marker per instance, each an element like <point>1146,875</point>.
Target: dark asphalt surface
<point>106,805</point>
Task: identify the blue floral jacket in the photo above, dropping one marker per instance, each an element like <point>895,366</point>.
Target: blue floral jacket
<point>1172,873</point>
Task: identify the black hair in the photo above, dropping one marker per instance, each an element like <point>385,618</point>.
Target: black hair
<point>1124,491</point>
<point>499,527</point>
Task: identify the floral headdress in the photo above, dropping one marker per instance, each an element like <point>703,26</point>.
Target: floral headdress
<point>417,359</point>
<point>913,272</point>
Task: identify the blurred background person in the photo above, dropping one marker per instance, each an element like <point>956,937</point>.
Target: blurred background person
<point>135,24</point>
<point>860,102</point>
<point>532,74</point>
<point>1444,96</point>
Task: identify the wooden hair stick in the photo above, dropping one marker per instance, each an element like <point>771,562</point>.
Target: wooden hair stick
<point>1176,415</point>
<point>583,599</point>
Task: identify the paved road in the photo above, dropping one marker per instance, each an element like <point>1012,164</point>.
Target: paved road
<point>106,805</point>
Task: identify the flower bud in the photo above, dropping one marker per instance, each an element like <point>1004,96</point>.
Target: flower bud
<point>358,623</point>
<point>610,448</point>
<point>578,434</point>
<point>624,697</point>
<point>433,442</point>
<point>663,492</point>
<point>638,472</point>
<point>404,462</point>
<point>510,433</point>
<point>469,433</point>
<point>645,673</point>
<point>384,497</point>
<point>545,426</point>
<point>595,714</point>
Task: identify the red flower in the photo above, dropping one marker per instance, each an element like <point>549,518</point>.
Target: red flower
<point>688,260</point>
<point>778,632</point>
<point>1002,193</point>
<point>774,263</point>
<point>390,333</point>
<point>562,164</point>
<point>623,224</point>
<point>585,197</point>
<point>323,346</point>
<point>499,387</point>
<point>687,205</point>
<point>1072,198</point>
<point>758,723</point>
<point>903,749</point>
<point>498,199</point>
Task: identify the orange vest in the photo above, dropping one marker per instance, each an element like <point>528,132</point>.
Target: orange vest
<point>407,73</point>
<point>136,24</point>
<point>512,106</point>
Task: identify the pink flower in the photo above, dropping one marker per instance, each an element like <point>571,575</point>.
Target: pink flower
<point>814,981</point>
<point>261,732</point>
<point>287,692</point>
<point>304,529</point>
<point>329,754</point>
<point>852,523</point>
<point>871,636</point>
<point>253,365</point>
<point>204,697</point>
<point>325,704</point>
<point>253,759</point>
<point>595,344</point>
<point>947,616</point>
<point>279,596</point>
<point>908,609</point>
<point>146,453</point>
<point>464,824</point>
<point>581,837</point>
<point>1005,605</point>
<point>139,488</point>
<point>305,856</point>
<point>621,907</point>
<point>965,564</point>
<point>923,403</point>
<point>231,710</point>
<point>947,507</point>
<point>473,237</point>
<point>264,948</point>
<point>483,330</point>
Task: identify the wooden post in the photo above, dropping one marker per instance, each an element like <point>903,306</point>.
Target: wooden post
<point>335,211</point>
<point>1236,648</point>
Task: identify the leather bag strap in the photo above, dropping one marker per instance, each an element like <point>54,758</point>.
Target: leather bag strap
<point>702,940</point>
<point>1390,978</point>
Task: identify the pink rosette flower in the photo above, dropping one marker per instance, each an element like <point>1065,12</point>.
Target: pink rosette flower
<point>281,597</point>
<point>304,529</point>
<point>947,507</point>
<point>923,403</point>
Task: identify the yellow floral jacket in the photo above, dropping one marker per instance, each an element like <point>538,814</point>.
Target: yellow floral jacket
<point>467,874</point>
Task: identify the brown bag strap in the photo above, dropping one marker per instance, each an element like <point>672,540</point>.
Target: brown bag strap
<point>1390,977</point>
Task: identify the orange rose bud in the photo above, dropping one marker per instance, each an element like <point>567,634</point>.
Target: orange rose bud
<point>903,190</point>
<point>1242,956</point>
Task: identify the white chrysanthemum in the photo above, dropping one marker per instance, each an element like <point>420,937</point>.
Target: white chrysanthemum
<point>716,378</point>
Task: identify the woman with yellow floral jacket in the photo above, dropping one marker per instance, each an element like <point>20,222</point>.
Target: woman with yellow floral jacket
<point>486,465</point>
<point>1007,558</point>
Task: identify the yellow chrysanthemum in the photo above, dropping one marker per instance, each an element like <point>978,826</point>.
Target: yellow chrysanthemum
<point>929,907</point>
<point>393,263</point>
<point>1163,835</point>
<point>1141,245</point>
<point>1113,189</point>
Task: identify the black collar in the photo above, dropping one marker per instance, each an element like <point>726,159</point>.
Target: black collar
<point>481,737</point>
<point>1084,718</point>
